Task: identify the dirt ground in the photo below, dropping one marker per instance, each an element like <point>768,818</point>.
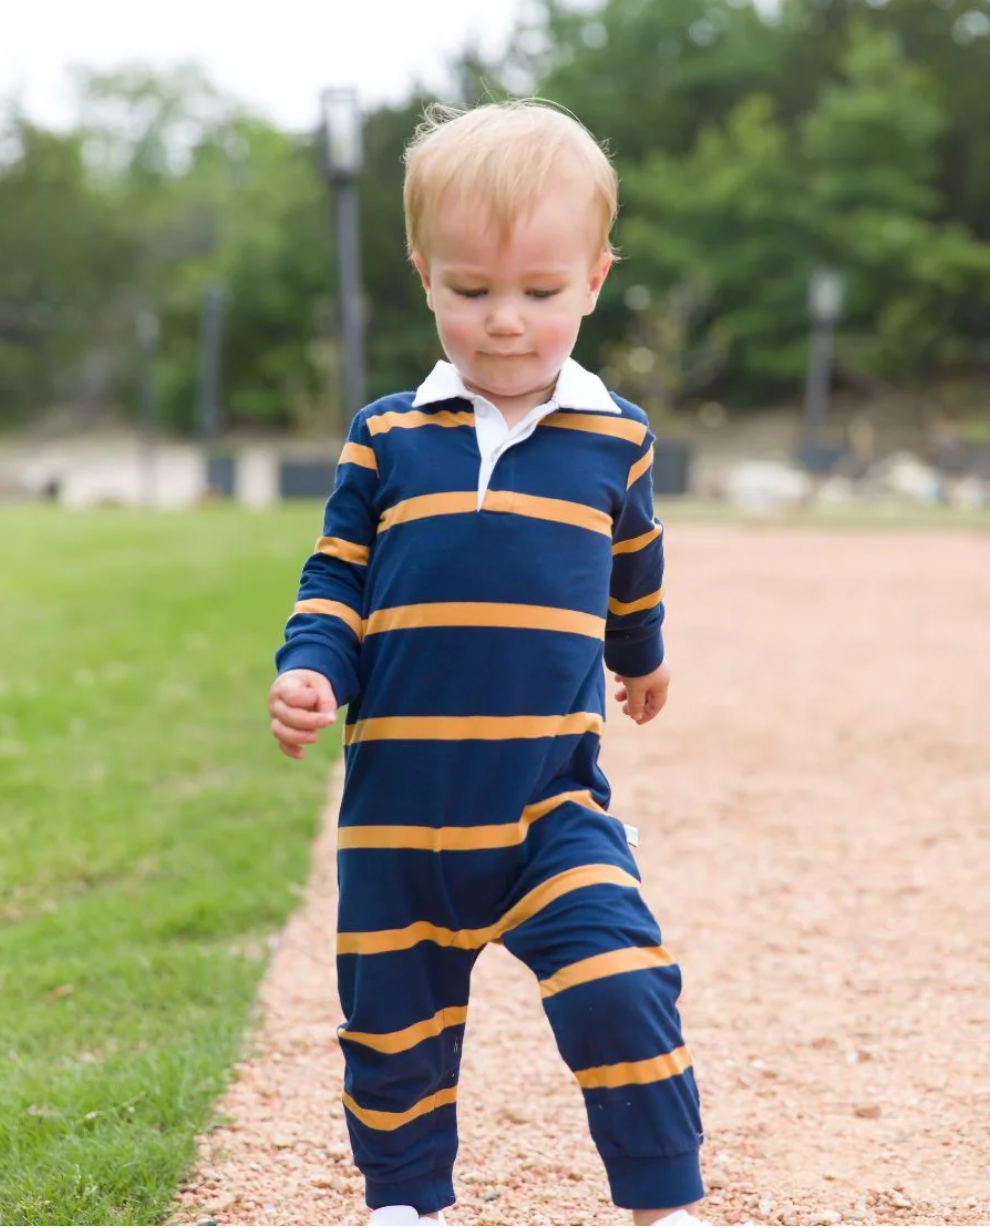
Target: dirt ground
<point>814,808</point>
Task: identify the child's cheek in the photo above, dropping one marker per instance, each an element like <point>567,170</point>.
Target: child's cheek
<point>460,331</point>
<point>559,333</point>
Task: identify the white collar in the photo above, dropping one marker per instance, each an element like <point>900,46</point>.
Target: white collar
<point>576,388</point>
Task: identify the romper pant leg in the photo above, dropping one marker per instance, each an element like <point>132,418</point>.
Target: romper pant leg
<point>610,992</point>
<point>405,1012</point>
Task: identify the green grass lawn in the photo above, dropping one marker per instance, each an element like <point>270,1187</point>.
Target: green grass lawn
<point>151,838</point>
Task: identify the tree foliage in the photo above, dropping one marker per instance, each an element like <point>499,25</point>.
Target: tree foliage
<point>751,148</point>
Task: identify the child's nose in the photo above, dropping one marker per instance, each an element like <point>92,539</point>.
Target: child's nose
<point>505,318</point>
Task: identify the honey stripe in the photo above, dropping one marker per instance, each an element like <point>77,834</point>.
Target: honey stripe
<point>335,609</point>
<point>484,614</point>
<point>359,454</point>
<point>381,424</point>
<point>611,963</point>
<point>347,552</point>
<point>632,544</point>
<point>622,1074</point>
<point>650,602</point>
<point>458,839</point>
<point>380,942</point>
<point>407,1038</point>
<point>538,507</point>
<point>640,467</point>
<point>469,728</point>
<point>377,1119</point>
<point>599,424</point>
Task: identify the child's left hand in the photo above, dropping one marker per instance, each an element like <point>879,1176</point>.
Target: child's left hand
<point>642,698</point>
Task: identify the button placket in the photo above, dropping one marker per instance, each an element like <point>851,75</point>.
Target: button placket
<point>492,431</point>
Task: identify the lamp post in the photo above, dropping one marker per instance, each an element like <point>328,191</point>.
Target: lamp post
<point>218,465</point>
<point>210,351</point>
<point>148,330</point>
<point>826,291</point>
<point>342,161</point>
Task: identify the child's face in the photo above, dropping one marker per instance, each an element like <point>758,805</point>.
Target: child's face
<point>508,313</point>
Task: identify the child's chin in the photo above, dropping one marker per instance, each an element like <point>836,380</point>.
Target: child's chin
<point>518,386</point>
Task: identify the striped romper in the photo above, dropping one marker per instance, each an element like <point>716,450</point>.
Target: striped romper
<point>460,601</point>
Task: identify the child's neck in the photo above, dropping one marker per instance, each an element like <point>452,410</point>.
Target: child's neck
<point>514,409</point>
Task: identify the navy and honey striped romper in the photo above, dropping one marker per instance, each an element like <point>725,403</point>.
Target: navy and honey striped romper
<point>468,644</point>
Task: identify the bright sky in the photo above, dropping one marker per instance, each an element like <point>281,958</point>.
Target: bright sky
<point>276,56</point>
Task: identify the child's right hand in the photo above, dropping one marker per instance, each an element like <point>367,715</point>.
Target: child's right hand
<point>301,703</point>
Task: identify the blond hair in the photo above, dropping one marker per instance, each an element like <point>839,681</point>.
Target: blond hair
<point>504,153</point>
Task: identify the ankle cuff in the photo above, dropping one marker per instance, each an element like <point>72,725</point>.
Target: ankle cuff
<point>431,1192</point>
<point>639,1183</point>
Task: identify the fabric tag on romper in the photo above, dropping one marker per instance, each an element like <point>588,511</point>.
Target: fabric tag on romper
<point>632,836</point>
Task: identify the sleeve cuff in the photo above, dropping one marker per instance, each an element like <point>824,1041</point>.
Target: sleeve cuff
<point>634,660</point>
<point>340,673</point>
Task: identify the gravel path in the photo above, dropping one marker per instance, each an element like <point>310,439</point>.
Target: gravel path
<point>814,808</point>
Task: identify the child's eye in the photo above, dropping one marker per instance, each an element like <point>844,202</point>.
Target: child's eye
<point>470,293</point>
<point>542,293</point>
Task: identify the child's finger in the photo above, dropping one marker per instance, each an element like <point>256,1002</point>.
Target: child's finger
<point>290,735</point>
<point>652,704</point>
<point>296,718</point>
<point>326,705</point>
<point>296,693</point>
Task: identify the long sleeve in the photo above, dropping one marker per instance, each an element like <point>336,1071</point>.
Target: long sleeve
<point>633,637</point>
<point>325,630</point>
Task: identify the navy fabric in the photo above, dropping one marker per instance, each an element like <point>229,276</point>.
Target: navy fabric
<point>469,647</point>
<point>482,556</point>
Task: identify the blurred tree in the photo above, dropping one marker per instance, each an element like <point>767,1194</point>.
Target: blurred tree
<point>732,214</point>
<point>760,148</point>
<point>272,253</point>
<point>751,146</point>
<point>871,151</point>
<point>754,207</point>
<point>212,194</point>
<point>58,246</point>
<point>646,79</point>
<point>647,76</point>
<point>950,40</point>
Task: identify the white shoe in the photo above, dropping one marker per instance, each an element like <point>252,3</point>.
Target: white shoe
<point>395,1217</point>
<point>681,1219</point>
<point>403,1217</point>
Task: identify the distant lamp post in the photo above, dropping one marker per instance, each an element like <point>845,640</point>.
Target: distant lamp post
<point>826,293</point>
<point>218,463</point>
<point>210,361</point>
<point>343,161</point>
<point>148,330</point>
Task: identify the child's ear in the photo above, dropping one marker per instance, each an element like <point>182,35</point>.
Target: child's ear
<point>599,272</point>
<point>423,269</point>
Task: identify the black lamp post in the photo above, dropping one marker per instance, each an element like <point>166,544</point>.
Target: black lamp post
<point>826,291</point>
<point>148,330</point>
<point>210,358</point>
<point>343,161</point>
<point>218,462</point>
